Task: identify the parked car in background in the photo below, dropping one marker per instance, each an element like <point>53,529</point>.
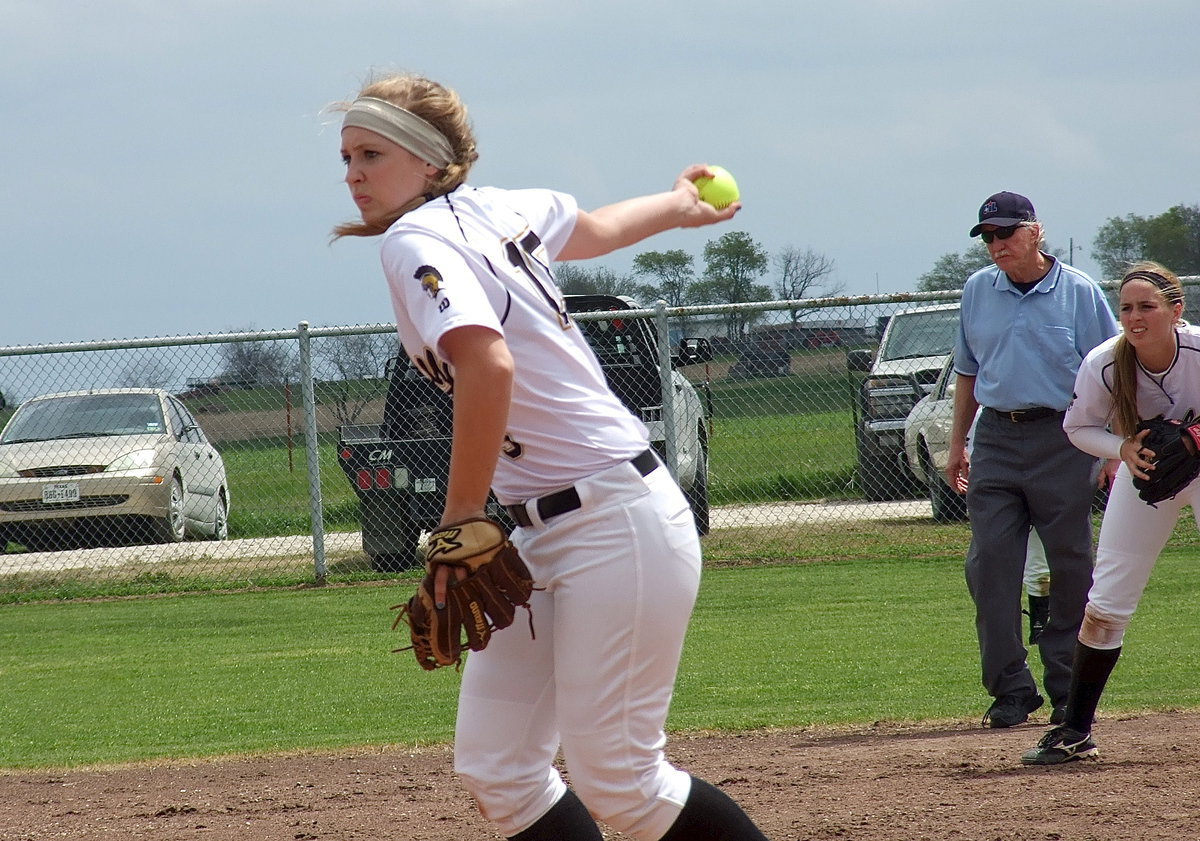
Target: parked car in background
<point>912,352</point>
<point>927,448</point>
<point>107,465</point>
<point>755,361</point>
<point>927,445</point>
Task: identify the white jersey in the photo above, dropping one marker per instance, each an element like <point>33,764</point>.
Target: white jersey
<point>482,257</point>
<point>1171,393</point>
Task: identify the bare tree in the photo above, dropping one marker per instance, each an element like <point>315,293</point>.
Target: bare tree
<point>257,363</point>
<point>804,274</point>
<point>356,364</point>
<point>149,372</point>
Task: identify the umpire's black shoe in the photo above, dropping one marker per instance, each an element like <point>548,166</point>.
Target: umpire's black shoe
<point>1011,710</point>
<point>1059,745</point>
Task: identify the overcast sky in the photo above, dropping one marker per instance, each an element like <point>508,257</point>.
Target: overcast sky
<point>168,169</point>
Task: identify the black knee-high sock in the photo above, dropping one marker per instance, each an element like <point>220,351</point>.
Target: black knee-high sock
<point>1089,674</point>
<point>711,815</point>
<point>567,820</point>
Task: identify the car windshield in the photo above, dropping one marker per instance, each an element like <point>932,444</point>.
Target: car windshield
<point>919,334</point>
<point>85,416</point>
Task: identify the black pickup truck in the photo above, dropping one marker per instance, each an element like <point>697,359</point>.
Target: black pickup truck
<point>399,467</point>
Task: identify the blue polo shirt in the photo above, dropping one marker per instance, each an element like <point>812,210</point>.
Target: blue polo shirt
<point>1024,350</point>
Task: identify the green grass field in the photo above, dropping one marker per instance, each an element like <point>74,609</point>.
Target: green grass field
<point>849,626</point>
<point>782,457</point>
<point>270,489</point>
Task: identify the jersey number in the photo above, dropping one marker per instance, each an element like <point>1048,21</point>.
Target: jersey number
<point>521,252</point>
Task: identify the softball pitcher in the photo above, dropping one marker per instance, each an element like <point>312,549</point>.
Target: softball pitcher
<point>603,527</point>
<point>1152,368</point>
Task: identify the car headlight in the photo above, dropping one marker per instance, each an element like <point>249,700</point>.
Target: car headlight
<point>137,460</point>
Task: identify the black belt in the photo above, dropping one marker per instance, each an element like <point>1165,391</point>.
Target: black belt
<point>1026,415</point>
<point>560,502</point>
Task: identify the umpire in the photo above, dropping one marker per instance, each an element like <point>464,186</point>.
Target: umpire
<point>1027,323</point>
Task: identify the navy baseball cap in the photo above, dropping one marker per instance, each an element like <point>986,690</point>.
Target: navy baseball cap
<point>1004,210</point>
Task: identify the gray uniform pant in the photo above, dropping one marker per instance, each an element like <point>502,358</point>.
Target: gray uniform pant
<point>1022,475</point>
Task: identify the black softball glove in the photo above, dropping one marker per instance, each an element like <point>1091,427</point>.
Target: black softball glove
<point>1175,445</point>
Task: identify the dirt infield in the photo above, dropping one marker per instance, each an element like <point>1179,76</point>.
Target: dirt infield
<point>950,782</point>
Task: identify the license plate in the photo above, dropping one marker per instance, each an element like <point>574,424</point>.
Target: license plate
<point>61,492</point>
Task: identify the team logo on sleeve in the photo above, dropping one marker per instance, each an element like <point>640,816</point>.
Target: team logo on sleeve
<point>430,279</point>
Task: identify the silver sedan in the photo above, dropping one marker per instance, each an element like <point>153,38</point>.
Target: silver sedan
<point>94,463</point>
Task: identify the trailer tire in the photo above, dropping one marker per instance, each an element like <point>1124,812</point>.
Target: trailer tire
<point>404,557</point>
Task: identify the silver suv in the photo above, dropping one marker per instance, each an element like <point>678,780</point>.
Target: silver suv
<point>912,352</point>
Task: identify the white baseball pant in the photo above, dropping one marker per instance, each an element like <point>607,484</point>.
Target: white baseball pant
<point>1132,536</point>
<point>620,576</point>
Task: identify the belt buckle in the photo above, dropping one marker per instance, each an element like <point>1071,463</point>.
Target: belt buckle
<point>1014,415</point>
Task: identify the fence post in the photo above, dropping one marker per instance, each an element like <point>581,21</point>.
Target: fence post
<point>308,397</point>
<point>668,387</point>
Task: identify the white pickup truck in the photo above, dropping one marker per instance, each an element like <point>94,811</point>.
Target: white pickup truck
<point>912,352</point>
<point>398,468</point>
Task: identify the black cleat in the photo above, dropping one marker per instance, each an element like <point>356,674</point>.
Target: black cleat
<point>1011,710</point>
<point>1060,744</point>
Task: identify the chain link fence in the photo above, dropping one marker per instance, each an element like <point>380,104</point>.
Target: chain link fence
<point>303,456</point>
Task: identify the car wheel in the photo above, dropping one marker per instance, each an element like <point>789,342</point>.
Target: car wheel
<point>948,506</point>
<point>221,519</point>
<point>406,556</point>
<point>173,527</point>
<point>878,481</point>
<point>697,497</point>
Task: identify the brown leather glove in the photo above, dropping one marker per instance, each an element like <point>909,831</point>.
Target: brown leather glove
<point>485,601</point>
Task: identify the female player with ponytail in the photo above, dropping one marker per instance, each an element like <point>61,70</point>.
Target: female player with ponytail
<point>1152,368</point>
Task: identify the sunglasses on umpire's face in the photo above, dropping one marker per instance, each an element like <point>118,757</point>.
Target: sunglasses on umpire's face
<point>999,233</point>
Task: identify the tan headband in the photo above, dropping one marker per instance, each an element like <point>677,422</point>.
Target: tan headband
<point>402,127</point>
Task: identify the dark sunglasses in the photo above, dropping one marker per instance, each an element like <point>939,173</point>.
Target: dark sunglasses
<point>999,233</point>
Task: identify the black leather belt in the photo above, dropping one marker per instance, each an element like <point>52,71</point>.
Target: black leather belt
<point>560,502</point>
<point>1026,415</point>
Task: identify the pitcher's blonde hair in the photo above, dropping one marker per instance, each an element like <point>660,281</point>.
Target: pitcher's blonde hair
<point>444,110</point>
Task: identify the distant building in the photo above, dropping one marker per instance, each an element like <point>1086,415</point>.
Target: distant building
<point>812,334</point>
